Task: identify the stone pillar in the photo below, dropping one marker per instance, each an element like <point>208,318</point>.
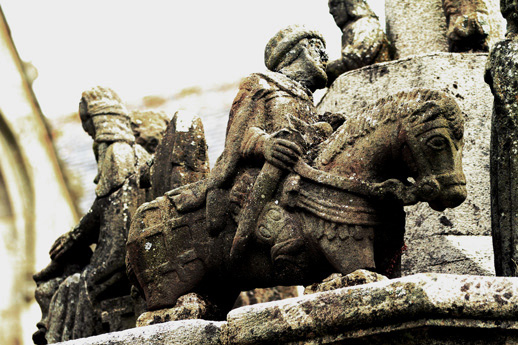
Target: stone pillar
<point>416,27</point>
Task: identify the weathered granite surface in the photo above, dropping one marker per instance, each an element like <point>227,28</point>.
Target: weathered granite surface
<point>419,309</point>
<point>337,281</point>
<point>415,302</point>
<point>188,307</point>
<point>501,75</point>
<point>462,76</point>
<point>417,27</point>
<point>171,333</point>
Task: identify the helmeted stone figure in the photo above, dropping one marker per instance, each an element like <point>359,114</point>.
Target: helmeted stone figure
<point>363,40</point>
<point>72,287</point>
<point>265,104</point>
<point>502,77</point>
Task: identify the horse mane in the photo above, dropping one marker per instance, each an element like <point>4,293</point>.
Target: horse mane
<point>406,106</point>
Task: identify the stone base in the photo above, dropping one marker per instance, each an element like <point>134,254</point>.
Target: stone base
<point>419,309</point>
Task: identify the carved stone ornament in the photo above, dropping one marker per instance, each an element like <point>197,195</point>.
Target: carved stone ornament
<point>468,25</point>
<point>296,196</point>
<point>76,288</point>
<point>502,77</point>
<point>363,41</point>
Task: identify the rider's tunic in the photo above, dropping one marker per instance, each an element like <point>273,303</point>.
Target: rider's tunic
<point>266,103</point>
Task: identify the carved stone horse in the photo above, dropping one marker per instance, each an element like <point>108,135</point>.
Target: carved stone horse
<point>468,25</point>
<point>340,212</point>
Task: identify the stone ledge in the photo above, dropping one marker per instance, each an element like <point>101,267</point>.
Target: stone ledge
<point>170,333</point>
<point>486,304</point>
<point>419,309</point>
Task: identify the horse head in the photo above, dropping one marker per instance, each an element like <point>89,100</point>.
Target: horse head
<point>407,146</point>
<point>431,138</point>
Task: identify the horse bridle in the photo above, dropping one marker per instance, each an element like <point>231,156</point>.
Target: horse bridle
<point>425,188</point>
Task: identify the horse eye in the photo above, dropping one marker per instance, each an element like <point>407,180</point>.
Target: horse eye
<point>437,142</point>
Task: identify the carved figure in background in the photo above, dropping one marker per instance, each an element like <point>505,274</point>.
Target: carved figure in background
<point>363,41</point>
<point>502,77</point>
<point>468,25</point>
<point>317,207</point>
<point>71,288</point>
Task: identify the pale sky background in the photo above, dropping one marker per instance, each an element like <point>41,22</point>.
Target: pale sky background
<point>152,47</point>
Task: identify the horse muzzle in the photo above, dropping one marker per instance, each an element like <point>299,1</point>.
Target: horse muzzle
<point>444,191</point>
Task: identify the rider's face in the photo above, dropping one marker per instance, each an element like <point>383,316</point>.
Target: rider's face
<point>317,52</point>
<point>315,58</point>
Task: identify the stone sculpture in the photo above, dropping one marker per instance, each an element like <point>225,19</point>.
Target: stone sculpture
<point>502,76</point>
<point>70,290</point>
<point>148,127</point>
<point>182,157</point>
<point>363,41</point>
<point>289,202</point>
<point>468,25</point>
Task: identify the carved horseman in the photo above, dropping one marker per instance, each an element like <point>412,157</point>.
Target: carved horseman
<point>266,104</point>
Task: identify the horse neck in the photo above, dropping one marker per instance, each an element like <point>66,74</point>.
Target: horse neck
<point>370,157</point>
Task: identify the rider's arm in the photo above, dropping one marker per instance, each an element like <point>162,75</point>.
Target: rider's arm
<point>280,152</point>
<point>362,43</point>
<point>84,233</point>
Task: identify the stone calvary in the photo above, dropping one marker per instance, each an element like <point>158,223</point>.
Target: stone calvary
<point>296,196</point>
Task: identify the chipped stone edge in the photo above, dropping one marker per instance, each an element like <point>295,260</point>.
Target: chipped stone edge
<point>411,325</point>
<point>446,298</point>
<point>183,332</point>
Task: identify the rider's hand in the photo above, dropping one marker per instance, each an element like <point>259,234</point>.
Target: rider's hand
<point>281,152</point>
<point>61,246</point>
<point>334,119</point>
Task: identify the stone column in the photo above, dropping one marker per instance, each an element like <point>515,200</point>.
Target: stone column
<point>416,27</point>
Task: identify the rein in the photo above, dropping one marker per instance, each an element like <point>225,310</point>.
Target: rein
<point>348,184</point>
<point>392,189</point>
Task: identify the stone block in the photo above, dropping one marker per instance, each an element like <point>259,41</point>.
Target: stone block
<point>421,309</point>
<point>416,27</point>
<point>449,254</point>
